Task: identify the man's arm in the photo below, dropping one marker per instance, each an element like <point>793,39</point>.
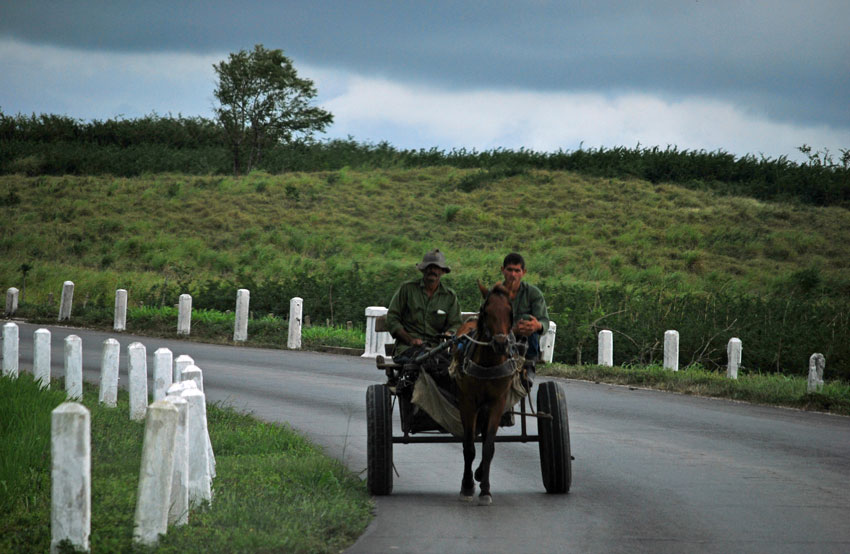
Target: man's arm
<point>536,320</point>
<point>394,324</point>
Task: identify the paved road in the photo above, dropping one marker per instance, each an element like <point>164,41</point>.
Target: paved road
<point>654,472</point>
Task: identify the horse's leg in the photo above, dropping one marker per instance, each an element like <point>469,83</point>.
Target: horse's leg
<point>488,449</point>
<point>467,485</point>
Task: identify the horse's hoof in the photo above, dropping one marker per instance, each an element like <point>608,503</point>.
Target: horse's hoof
<point>466,495</point>
<point>485,499</point>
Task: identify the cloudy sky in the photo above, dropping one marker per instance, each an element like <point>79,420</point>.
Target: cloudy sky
<point>743,76</point>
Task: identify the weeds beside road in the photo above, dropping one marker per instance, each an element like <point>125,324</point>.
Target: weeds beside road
<point>773,389</point>
<point>274,491</point>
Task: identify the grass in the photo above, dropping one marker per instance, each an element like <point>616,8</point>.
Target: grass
<point>772,389</point>
<point>274,491</point>
<point>268,331</point>
<point>597,246</point>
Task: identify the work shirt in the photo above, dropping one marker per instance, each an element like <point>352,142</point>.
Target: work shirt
<point>422,317</point>
<point>529,301</point>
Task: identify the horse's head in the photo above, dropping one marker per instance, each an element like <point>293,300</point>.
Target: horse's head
<point>496,318</point>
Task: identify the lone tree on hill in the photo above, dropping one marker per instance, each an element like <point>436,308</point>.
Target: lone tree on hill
<point>263,102</point>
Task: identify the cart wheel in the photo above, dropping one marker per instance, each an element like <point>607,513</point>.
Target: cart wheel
<point>379,440</point>
<point>555,459</point>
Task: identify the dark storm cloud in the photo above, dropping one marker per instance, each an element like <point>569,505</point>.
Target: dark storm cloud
<point>787,60</point>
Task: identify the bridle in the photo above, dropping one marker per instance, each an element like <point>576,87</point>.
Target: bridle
<point>502,344</point>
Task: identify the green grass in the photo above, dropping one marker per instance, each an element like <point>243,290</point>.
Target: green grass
<point>773,389</point>
<point>660,255</point>
<point>274,491</point>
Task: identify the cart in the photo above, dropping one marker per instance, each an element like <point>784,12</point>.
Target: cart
<point>418,427</point>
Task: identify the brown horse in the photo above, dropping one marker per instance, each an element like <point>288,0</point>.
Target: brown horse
<point>485,372</point>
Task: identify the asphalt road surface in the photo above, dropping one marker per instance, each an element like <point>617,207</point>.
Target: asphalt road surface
<point>653,471</point>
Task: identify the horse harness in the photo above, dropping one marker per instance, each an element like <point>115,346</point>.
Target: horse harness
<point>473,369</point>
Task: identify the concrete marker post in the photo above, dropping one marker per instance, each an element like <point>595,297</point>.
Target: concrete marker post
<point>155,475</point>
<point>74,367</point>
<point>817,364</point>
<point>137,368</point>
<point>733,356</point>
<point>11,350</point>
<point>41,357</point>
<point>296,306</point>
<point>67,300</point>
<point>11,301</point>
<point>109,372</point>
<point>120,318</point>
<point>375,340</point>
<point>671,350</point>
<point>184,315</point>
<point>606,348</point>
<point>200,481</point>
<point>162,372</point>
<point>547,343</point>
<point>70,486</point>
<point>180,363</point>
<point>178,509</point>
<point>240,326</point>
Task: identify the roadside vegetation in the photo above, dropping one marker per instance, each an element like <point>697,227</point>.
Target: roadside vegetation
<point>619,253</point>
<point>758,388</point>
<point>274,490</point>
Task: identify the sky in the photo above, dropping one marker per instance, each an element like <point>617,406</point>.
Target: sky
<point>742,76</point>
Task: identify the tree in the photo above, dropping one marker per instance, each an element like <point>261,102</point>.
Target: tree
<point>263,102</point>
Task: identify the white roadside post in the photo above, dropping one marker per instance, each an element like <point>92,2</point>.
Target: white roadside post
<point>11,301</point>
<point>547,343</point>
<point>733,356</point>
<point>109,373</point>
<point>120,319</point>
<point>74,367</point>
<point>817,363</point>
<point>184,314</point>
<point>240,327</point>
<point>296,306</point>
<point>11,343</point>
<point>137,369</point>
<point>194,373</point>
<point>70,487</point>
<point>67,300</point>
<point>162,372</point>
<point>671,350</point>
<point>180,363</point>
<point>200,485</point>
<point>41,357</point>
<point>376,341</point>
<point>154,492</point>
<point>178,509</point>
<point>606,348</point>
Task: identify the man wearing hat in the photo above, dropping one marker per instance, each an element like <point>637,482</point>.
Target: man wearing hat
<point>423,309</point>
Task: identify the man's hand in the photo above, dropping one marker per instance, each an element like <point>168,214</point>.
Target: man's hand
<point>525,327</point>
<point>407,339</point>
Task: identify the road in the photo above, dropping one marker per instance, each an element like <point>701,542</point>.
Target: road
<point>653,471</point>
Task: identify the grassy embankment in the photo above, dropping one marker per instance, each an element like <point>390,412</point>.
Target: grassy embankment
<point>273,491</point>
<point>619,253</point>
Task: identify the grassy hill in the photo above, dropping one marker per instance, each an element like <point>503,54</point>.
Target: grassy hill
<point>626,254</point>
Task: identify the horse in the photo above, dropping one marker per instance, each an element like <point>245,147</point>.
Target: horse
<point>485,371</point>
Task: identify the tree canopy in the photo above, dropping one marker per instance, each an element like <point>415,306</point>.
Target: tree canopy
<point>262,102</point>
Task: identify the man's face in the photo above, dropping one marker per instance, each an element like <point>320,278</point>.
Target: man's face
<point>432,273</point>
<point>512,273</point>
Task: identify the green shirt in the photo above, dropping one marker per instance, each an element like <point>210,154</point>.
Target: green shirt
<point>529,301</point>
<point>422,317</point>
